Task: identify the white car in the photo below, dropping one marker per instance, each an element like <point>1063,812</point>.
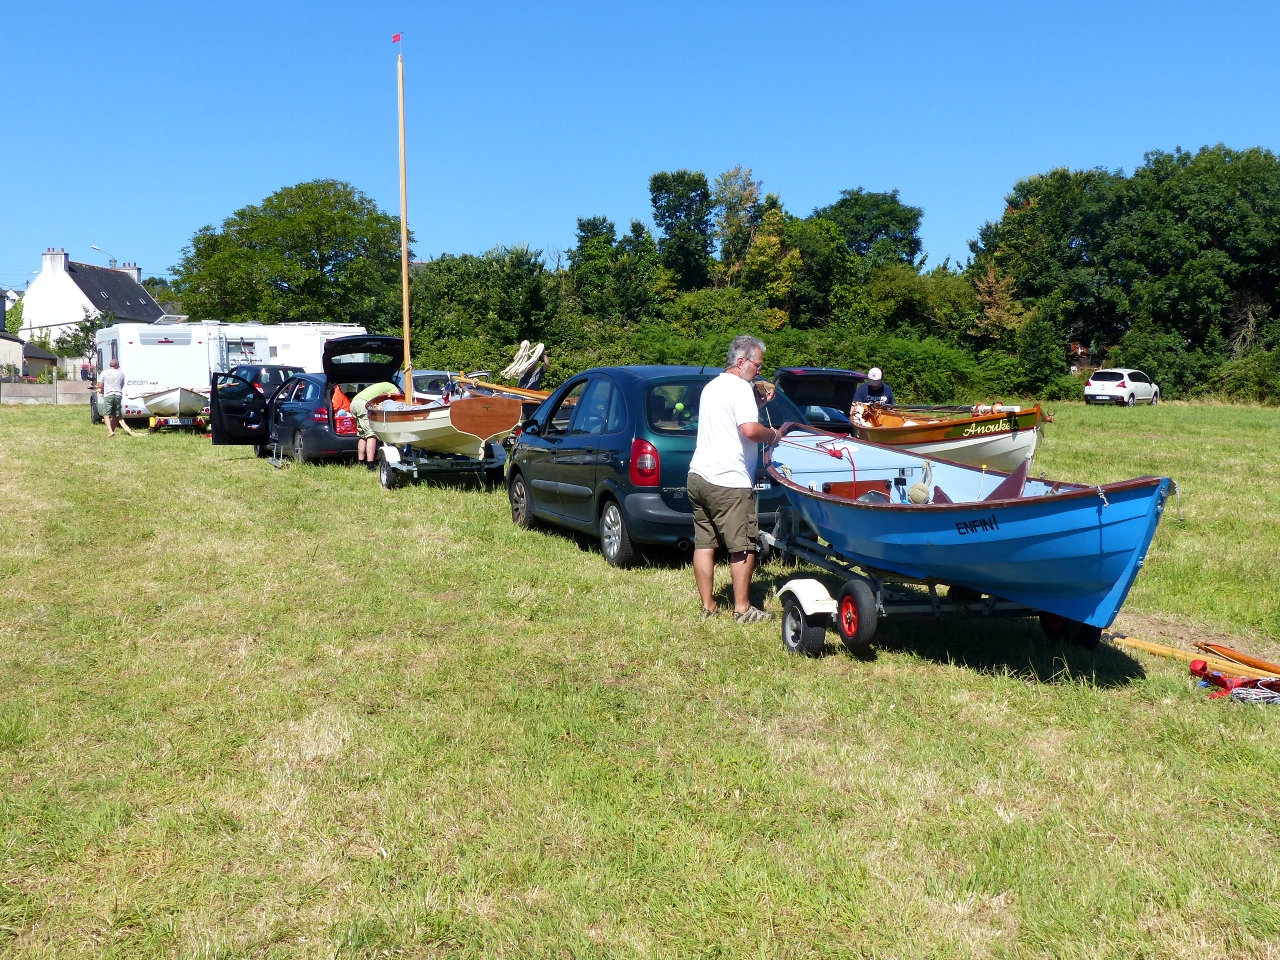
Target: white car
<point>1120,385</point>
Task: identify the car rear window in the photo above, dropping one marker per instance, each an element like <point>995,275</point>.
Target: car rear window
<point>672,407</point>
<point>1107,376</point>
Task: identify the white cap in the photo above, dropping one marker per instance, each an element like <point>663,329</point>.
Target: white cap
<point>875,374</point>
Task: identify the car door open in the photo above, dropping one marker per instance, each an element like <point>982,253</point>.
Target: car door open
<point>237,411</point>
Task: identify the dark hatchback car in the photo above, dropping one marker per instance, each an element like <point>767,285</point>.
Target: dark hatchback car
<point>267,378</point>
<point>300,415</point>
<point>823,394</point>
<point>608,453</point>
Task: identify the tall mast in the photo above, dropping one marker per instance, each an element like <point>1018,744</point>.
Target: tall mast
<point>404,242</point>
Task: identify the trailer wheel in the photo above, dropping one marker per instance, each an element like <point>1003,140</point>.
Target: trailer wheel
<point>856,617</point>
<point>802,633</point>
<point>388,477</point>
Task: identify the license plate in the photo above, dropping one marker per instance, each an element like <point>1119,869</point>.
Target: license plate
<point>1098,396</point>
<point>176,421</point>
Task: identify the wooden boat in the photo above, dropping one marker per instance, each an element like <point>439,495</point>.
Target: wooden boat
<point>176,402</point>
<point>530,399</point>
<point>1000,437</point>
<point>1065,549</point>
<point>464,426</point>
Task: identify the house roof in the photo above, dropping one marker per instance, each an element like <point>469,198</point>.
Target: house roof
<point>6,335</point>
<point>116,291</point>
<point>32,352</point>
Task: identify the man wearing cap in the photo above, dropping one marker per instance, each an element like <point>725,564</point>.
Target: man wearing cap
<point>874,389</point>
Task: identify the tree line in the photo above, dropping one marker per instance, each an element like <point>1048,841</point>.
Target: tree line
<point>1173,268</point>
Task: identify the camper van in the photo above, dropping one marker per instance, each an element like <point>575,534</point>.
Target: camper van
<point>162,356</point>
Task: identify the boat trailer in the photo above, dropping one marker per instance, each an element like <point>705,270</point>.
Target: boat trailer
<point>406,464</point>
<point>868,595</point>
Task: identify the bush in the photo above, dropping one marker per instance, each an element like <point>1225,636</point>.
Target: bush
<point>1253,378</point>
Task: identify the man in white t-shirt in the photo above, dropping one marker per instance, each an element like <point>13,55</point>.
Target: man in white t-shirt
<point>113,399</point>
<point>721,477</point>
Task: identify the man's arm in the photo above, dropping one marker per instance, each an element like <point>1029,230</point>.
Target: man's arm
<point>888,395</point>
<point>756,432</point>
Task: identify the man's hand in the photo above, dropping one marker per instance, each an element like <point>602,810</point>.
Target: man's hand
<point>759,433</point>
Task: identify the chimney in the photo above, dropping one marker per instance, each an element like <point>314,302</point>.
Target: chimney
<point>54,260</point>
<point>132,269</point>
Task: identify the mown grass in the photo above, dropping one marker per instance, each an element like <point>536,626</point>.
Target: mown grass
<point>258,712</point>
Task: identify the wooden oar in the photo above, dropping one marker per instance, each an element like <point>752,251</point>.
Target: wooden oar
<point>1186,656</point>
<point>499,388</point>
<point>1235,656</point>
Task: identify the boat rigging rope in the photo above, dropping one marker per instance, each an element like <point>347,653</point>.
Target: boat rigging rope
<point>1102,493</point>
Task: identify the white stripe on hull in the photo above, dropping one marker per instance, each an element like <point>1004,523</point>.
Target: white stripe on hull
<point>1003,452</point>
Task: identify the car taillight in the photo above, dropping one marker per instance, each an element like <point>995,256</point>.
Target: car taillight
<point>257,386</point>
<point>646,467</point>
<point>344,424</point>
<point>320,415</point>
<point>1088,383</point>
<point>1120,385</point>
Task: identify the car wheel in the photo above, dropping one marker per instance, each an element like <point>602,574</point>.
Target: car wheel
<point>299,447</point>
<point>1129,402</point>
<point>856,615</point>
<point>95,416</point>
<point>1155,398</point>
<point>518,494</point>
<point>262,450</point>
<point>615,541</point>
<point>800,632</point>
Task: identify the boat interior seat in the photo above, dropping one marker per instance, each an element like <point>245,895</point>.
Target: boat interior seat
<point>940,496</point>
<point>853,489</point>
<point>1011,487</point>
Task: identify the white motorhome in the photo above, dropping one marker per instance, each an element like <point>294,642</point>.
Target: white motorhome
<point>162,356</point>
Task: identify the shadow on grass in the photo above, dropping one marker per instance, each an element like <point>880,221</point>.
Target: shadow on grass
<point>1000,645</point>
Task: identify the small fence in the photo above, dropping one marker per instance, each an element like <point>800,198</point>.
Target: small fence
<point>60,392</point>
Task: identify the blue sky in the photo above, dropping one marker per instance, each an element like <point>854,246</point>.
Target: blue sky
<point>130,125</point>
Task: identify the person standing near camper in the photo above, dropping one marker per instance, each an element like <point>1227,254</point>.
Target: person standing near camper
<point>366,442</point>
<point>721,476</point>
<point>113,399</point>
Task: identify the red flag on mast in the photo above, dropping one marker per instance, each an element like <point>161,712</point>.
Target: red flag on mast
<point>395,38</point>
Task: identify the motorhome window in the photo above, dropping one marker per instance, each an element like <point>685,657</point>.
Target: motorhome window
<point>673,407</point>
<point>115,349</point>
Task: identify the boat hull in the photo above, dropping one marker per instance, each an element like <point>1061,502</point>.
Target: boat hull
<point>462,428</point>
<point>1000,451</point>
<point>178,402</point>
<point>1073,553</point>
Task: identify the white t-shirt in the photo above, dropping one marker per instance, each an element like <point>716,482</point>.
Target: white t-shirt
<point>722,456</point>
<point>112,382</point>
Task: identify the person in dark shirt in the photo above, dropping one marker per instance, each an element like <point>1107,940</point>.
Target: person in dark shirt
<point>874,389</point>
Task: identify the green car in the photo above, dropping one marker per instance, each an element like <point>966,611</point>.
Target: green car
<point>608,454</point>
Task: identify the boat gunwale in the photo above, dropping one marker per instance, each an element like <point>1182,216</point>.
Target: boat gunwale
<point>1069,491</point>
<point>903,434</point>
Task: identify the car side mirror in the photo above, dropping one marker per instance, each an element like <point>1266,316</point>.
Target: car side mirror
<point>530,428</point>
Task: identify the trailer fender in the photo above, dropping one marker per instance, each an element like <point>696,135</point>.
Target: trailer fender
<point>389,453</point>
<point>810,594</point>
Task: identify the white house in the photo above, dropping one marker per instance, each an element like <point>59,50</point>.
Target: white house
<point>10,352</point>
<point>65,293</point>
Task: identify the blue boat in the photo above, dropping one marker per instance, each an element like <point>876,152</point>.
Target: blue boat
<point>1067,550</point>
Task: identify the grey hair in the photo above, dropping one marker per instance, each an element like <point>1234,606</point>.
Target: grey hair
<point>743,346</point>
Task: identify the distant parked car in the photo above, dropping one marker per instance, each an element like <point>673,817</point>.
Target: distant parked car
<point>608,454</point>
<point>266,378</point>
<point>823,394</point>
<point>1120,385</point>
<point>299,415</point>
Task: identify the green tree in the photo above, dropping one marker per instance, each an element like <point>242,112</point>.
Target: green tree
<point>591,263</point>
<point>13,318</point>
<point>876,225</point>
<point>82,341</point>
<point>682,209</point>
<point>318,251</point>
<point>736,201</point>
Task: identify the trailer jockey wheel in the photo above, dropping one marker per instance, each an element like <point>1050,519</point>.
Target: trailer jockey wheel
<point>856,616</point>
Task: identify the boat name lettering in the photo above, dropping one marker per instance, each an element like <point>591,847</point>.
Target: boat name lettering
<point>991,426</point>
<point>981,525</point>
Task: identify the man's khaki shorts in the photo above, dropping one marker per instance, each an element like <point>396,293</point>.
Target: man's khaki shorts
<point>723,516</point>
<point>363,430</point>
<point>112,405</point>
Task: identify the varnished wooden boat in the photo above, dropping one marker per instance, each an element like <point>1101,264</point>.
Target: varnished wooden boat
<point>1000,439</point>
<point>462,427</point>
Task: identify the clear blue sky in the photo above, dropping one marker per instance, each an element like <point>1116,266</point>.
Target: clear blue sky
<point>129,125</point>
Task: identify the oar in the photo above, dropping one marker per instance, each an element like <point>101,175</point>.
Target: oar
<point>1235,656</point>
<point>1186,656</point>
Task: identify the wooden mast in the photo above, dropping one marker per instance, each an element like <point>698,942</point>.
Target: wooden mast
<point>404,242</point>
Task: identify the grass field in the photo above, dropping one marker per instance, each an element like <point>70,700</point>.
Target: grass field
<point>258,712</point>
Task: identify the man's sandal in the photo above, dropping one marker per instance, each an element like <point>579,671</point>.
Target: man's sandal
<point>705,614</point>
<point>754,615</point>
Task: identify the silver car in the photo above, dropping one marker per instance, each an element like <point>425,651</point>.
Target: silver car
<point>1120,385</point>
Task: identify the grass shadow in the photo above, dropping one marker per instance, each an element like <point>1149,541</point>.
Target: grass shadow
<point>1013,646</point>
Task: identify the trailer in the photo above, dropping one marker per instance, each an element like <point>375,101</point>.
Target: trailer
<point>867,597</point>
<point>406,464</point>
